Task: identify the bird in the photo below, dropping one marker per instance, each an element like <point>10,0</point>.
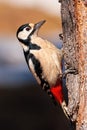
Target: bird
<point>44,61</point>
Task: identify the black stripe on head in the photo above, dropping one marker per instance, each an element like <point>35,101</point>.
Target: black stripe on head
<point>21,28</point>
<point>26,41</point>
<point>33,31</point>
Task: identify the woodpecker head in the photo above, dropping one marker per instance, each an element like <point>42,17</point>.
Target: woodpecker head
<point>25,31</point>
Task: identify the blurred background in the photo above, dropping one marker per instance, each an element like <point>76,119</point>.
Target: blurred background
<point>23,105</point>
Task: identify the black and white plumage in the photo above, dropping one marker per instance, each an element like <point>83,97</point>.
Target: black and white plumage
<point>46,53</point>
<point>44,61</point>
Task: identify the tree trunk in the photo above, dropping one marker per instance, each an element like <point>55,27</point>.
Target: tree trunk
<point>74,23</point>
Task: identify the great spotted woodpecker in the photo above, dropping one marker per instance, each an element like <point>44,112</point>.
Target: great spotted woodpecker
<point>44,61</point>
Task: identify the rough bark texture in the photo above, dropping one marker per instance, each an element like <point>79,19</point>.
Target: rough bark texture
<point>74,23</point>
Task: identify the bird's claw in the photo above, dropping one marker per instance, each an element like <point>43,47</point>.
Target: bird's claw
<point>69,71</point>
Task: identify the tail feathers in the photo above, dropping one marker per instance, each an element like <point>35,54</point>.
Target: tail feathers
<point>65,110</point>
<point>57,92</point>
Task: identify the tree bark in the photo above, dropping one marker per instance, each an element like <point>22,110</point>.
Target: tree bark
<point>74,23</point>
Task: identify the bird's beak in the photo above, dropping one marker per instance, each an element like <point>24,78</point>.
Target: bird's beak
<point>39,24</point>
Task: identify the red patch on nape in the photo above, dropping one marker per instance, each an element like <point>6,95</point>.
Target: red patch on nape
<point>57,92</point>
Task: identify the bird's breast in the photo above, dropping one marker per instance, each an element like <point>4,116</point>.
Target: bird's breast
<point>45,64</point>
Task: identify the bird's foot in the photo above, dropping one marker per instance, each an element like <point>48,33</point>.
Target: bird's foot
<point>61,36</point>
<point>69,71</point>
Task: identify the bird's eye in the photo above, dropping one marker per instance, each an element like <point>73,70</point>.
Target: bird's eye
<point>27,29</point>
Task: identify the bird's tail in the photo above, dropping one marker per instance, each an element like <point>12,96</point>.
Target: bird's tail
<point>57,92</point>
<point>65,109</point>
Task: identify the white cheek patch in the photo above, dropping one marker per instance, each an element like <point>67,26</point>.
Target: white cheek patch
<point>24,34</point>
